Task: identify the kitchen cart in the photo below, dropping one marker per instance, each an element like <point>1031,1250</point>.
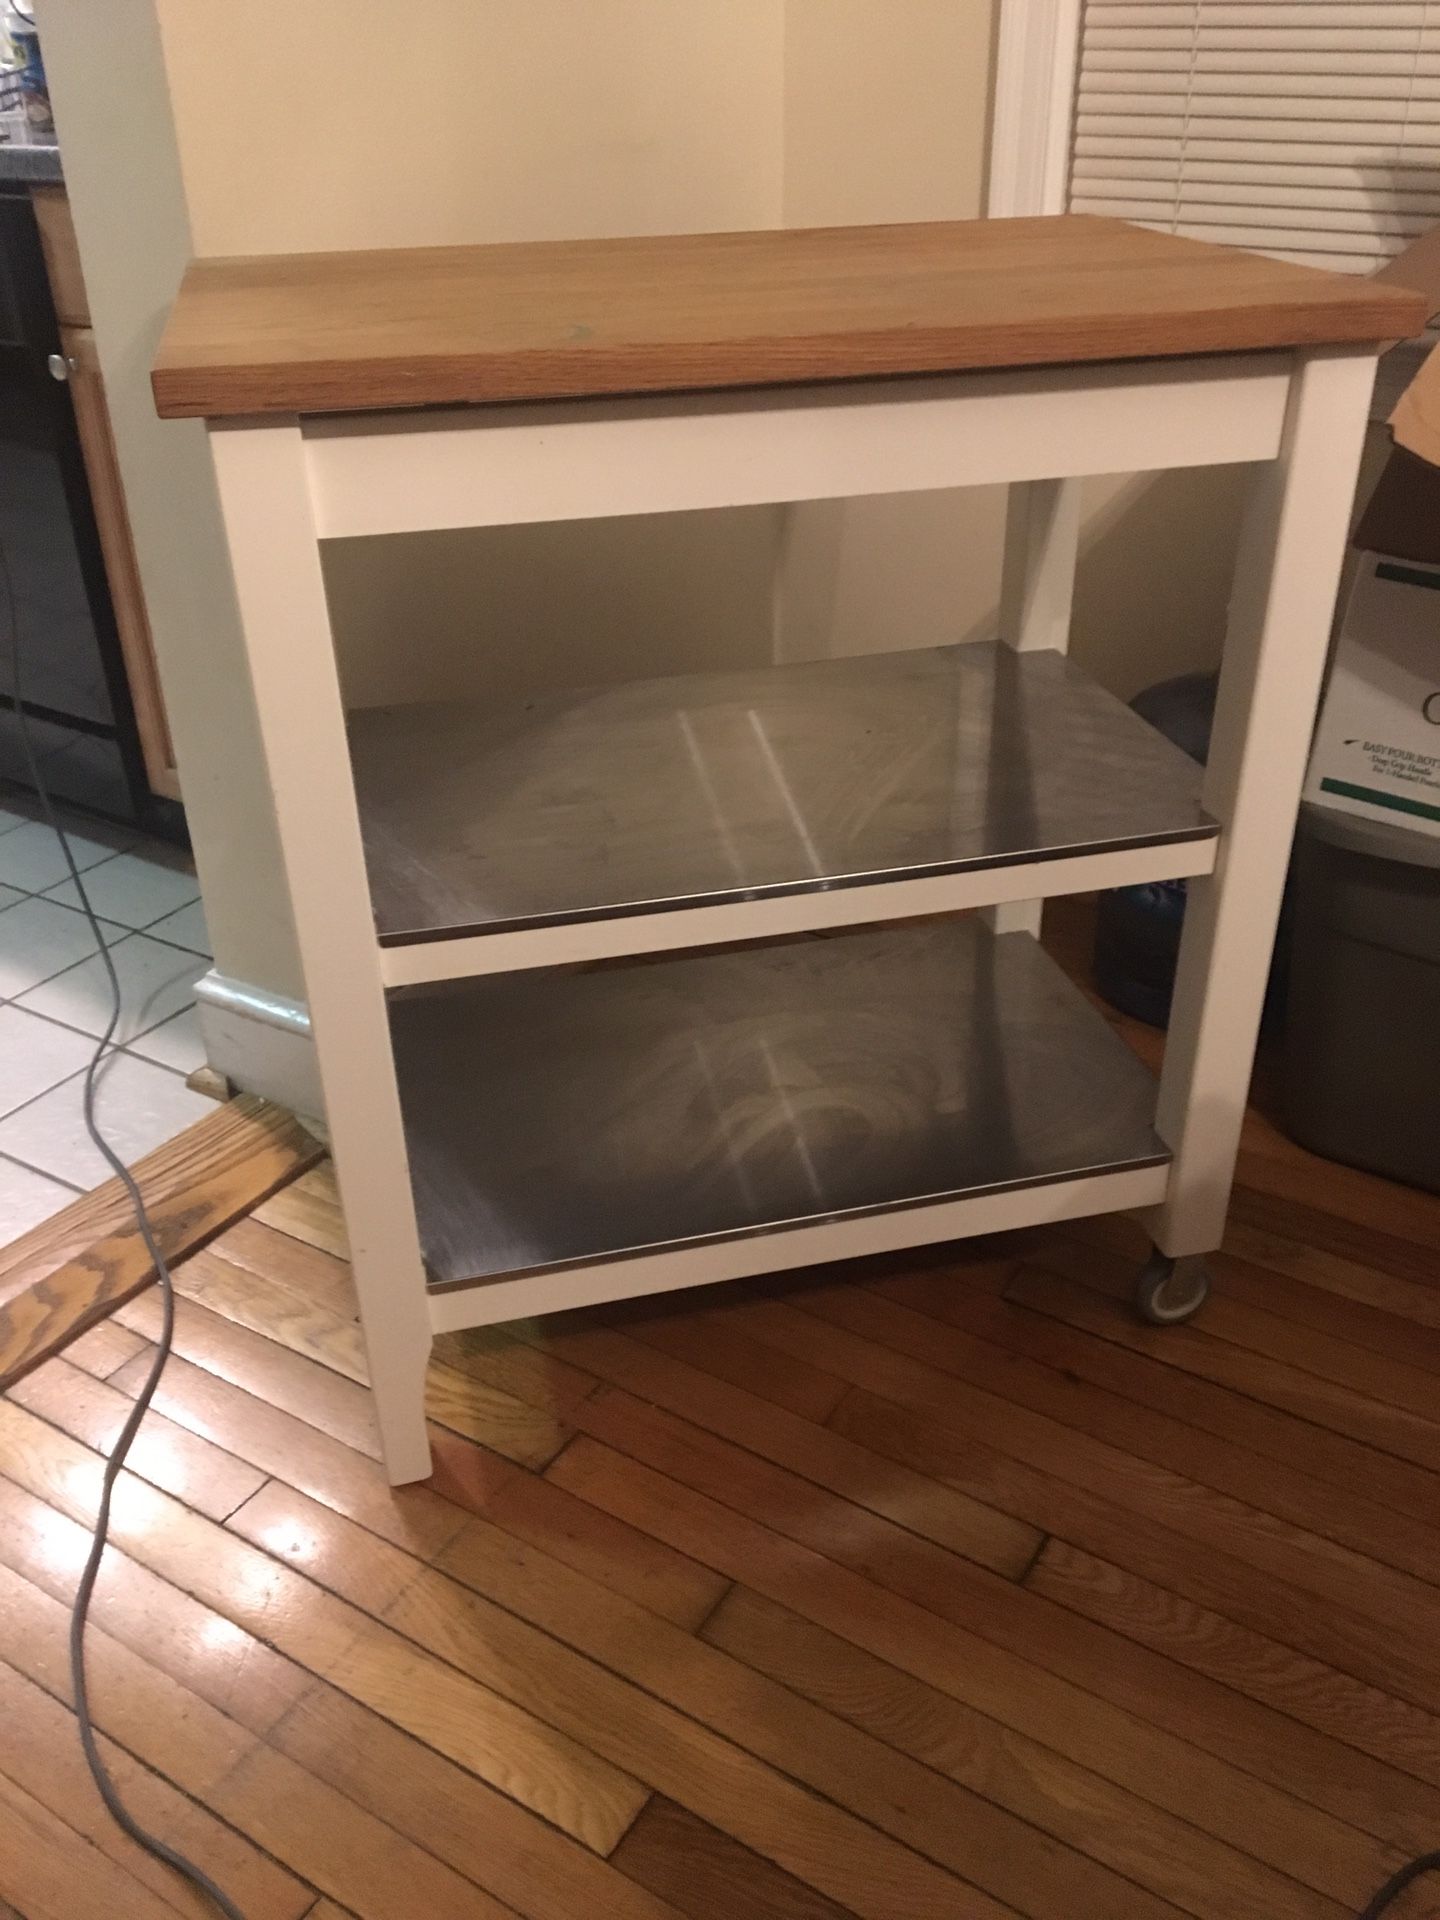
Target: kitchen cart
<point>638,986</point>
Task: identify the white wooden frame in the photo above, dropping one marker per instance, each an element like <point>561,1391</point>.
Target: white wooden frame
<point>1037,53</point>
<point>1037,586</point>
<point>774,918</point>
<point>284,485</point>
<point>507,466</point>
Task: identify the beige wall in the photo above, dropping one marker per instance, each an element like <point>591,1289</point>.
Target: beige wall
<point>512,612</point>
<point>123,172</point>
<point>886,118</point>
<point>331,124</point>
<point>886,109</point>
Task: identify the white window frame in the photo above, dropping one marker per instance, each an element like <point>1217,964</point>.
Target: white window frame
<point>1034,110</point>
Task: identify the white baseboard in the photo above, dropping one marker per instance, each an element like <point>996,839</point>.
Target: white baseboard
<point>260,1041</point>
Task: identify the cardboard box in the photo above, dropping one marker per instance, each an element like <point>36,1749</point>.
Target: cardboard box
<point>1377,752</point>
<point>1377,749</point>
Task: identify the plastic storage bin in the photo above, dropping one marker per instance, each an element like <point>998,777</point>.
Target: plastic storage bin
<point>1362,1044</point>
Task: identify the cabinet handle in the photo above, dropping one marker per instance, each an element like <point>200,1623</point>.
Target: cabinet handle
<point>61,366</point>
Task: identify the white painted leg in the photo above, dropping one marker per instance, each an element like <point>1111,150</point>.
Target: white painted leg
<point>265,499</point>
<point>1281,610</point>
<point>1037,585</point>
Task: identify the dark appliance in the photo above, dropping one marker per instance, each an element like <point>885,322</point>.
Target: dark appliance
<point>76,696</point>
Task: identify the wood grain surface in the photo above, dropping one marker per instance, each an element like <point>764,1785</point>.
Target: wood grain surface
<point>936,1588</point>
<point>74,1269</point>
<point>86,385</point>
<point>316,333</point>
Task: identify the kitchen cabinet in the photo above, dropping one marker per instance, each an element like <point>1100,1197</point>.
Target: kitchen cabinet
<point>81,366</point>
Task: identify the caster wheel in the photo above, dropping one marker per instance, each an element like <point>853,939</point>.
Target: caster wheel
<point>1169,1291</point>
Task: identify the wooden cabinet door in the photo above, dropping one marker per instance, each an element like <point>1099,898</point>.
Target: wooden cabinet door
<point>92,417</point>
<point>62,255</point>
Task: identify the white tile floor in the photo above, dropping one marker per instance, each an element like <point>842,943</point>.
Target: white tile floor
<point>54,1001</point>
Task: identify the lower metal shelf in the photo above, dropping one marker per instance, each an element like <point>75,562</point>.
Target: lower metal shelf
<point>560,1118</point>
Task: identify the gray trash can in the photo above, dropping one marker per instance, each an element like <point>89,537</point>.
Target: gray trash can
<point>1362,1037</point>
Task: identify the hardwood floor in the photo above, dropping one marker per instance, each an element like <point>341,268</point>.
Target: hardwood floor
<point>929,1589</point>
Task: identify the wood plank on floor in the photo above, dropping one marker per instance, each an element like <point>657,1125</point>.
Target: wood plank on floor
<point>953,1520</point>
<point>319,1834</point>
<point>1260,1810</point>
<point>883,1879</point>
<point>72,1270</point>
<point>484,1835</point>
<point>571,1531</point>
<point>461,1400</point>
<point>1413,1441</point>
<point>706,1875</point>
<point>1199,1536</point>
<point>42,1755</point>
<point>1353,1283</point>
<point>1064,1325</point>
<point>306,1270</point>
<point>1255,1203</point>
<point>169,1456</point>
<point>1190,1560</point>
<point>470,1722</point>
<point>308,1209</point>
<point>275,1441</point>
<point>1202,1875</point>
<point>104,1349</point>
<point>1265,1668</point>
<point>843,1763</point>
<point>704,1339</point>
<point>715,1778</point>
<point>1258,1312</point>
<point>1358,1306</point>
<point>395,1780</point>
<point>422,1518</point>
<point>335,1402</point>
<point>58,1874</point>
<point>1316,1480</point>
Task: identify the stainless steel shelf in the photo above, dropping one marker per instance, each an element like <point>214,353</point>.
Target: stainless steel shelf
<point>726,787</point>
<point>556,1118</point>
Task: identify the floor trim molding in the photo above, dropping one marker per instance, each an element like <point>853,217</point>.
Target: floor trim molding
<point>260,1041</point>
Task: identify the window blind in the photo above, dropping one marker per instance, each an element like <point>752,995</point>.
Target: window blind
<point>1309,129</point>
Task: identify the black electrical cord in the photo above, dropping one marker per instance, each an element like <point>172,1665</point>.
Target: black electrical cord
<point>1398,1882</point>
<point>80,1610</point>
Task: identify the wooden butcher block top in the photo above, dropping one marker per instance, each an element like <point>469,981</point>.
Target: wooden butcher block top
<point>549,320</point>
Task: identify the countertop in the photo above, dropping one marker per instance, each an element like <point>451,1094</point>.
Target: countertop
<point>549,320</point>
<point>29,162</point>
